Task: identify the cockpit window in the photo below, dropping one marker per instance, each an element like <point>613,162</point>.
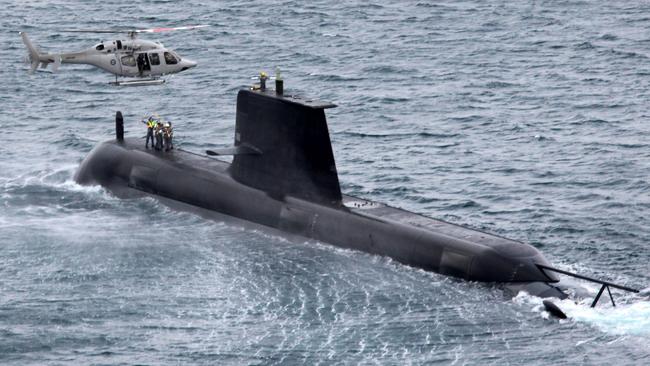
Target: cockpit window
<point>170,59</point>
<point>100,47</point>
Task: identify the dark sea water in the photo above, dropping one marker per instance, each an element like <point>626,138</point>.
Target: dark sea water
<point>526,119</point>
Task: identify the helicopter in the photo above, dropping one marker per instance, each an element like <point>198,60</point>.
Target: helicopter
<point>145,60</point>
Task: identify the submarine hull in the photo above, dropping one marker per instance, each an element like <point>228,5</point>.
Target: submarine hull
<point>127,169</point>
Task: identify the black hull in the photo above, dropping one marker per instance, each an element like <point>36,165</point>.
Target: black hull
<point>126,168</point>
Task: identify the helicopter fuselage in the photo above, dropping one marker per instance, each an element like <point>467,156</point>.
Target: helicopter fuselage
<point>128,58</point>
<point>131,58</point>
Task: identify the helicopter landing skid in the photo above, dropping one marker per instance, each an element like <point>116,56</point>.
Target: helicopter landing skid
<point>140,82</point>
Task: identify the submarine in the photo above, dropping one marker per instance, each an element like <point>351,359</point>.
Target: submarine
<point>283,177</point>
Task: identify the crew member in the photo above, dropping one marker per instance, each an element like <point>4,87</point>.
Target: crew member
<point>158,131</point>
<point>151,123</point>
<point>168,134</point>
<point>263,77</point>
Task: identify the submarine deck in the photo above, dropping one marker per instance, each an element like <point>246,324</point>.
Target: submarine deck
<point>202,163</point>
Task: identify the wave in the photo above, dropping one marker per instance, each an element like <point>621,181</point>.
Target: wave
<point>398,134</point>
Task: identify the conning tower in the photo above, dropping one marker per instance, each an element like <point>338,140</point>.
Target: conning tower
<point>283,147</point>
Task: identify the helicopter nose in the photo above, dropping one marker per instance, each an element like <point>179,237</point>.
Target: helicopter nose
<point>188,64</point>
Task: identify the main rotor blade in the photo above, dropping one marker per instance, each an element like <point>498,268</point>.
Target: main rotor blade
<point>97,30</point>
<point>149,30</point>
<point>163,29</point>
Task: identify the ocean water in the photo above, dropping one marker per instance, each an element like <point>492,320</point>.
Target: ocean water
<point>525,119</point>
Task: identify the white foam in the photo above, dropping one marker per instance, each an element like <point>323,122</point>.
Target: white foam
<point>624,319</point>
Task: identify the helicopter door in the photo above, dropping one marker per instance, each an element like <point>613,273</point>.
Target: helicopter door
<point>154,61</point>
<point>127,62</point>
